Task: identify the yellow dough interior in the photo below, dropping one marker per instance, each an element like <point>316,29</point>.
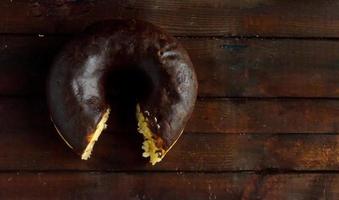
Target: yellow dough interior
<point>155,153</point>
<point>94,137</point>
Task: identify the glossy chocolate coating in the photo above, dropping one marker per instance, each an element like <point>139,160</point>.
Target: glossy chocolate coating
<point>76,92</point>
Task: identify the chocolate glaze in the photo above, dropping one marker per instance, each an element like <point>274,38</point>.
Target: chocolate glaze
<point>76,87</point>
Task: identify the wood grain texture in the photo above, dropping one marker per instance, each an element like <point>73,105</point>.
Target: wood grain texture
<point>276,137</point>
<point>265,116</point>
<point>194,17</point>
<point>124,186</point>
<point>179,185</point>
<point>225,68</point>
<point>295,186</point>
<point>33,144</point>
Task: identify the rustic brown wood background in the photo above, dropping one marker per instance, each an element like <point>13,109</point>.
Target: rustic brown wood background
<point>265,126</point>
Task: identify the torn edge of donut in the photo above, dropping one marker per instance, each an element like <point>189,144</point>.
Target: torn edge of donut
<point>149,146</point>
<point>94,137</point>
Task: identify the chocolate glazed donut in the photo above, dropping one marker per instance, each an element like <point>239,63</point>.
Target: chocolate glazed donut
<point>77,93</point>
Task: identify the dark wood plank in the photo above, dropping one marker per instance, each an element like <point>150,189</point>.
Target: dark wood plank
<point>265,68</point>
<point>196,17</point>
<point>124,186</point>
<point>225,68</point>
<point>265,116</point>
<point>299,186</point>
<point>31,143</point>
<point>193,186</point>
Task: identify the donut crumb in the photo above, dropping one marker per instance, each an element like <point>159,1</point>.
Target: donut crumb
<point>94,137</point>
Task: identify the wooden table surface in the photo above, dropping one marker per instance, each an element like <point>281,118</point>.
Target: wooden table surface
<point>265,125</point>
